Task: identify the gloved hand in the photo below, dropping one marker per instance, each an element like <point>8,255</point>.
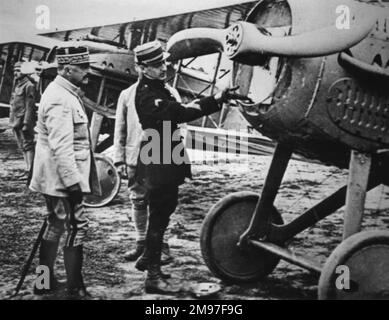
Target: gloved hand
<point>122,170</point>
<point>75,193</point>
<point>229,94</point>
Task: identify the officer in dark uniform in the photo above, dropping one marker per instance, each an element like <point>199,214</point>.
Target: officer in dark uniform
<point>159,113</point>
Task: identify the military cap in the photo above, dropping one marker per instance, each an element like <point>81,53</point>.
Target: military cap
<point>73,55</point>
<point>150,53</point>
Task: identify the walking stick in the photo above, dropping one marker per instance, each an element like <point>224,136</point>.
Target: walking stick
<point>30,258</point>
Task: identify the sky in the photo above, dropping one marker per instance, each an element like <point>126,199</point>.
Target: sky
<point>73,14</point>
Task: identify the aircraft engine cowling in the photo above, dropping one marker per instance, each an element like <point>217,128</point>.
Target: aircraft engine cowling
<point>292,59</point>
<point>297,99</point>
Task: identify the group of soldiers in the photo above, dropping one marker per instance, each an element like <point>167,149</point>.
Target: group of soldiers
<point>64,168</point>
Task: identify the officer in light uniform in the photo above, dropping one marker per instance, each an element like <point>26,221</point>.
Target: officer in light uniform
<point>64,167</point>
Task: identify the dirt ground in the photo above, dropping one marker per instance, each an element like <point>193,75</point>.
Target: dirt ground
<point>108,276</point>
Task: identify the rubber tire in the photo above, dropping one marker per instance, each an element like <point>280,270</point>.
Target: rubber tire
<point>226,261</point>
<point>94,201</point>
<point>352,248</point>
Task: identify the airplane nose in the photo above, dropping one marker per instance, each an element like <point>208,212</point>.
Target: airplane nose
<point>245,38</point>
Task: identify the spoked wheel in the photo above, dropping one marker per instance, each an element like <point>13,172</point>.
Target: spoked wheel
<point>358,268</point>
<point>109,182</point>
<point>220,233</point>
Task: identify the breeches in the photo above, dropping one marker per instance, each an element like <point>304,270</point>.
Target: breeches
<point>25,139</point>
<point>162,203</point>
<point>64,214</point>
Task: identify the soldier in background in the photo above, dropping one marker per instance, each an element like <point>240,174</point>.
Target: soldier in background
<point>23,114</point>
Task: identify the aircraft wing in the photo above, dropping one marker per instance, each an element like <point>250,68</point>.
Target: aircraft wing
<point>13,34</point>
<point>160,25</point>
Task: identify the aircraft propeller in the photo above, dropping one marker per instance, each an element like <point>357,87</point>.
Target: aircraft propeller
<point>245,42</point>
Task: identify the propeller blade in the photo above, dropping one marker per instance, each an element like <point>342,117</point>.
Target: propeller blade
<point>245,42</point>
<point>245,38</point>
<point>195,42</point>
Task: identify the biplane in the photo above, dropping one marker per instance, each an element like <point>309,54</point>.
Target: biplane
<point>111,47</point>
<point>112,43</point>
<point>329,102</point>
<point>317,73</point>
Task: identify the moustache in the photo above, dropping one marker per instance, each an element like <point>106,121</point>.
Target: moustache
<point>85,80</point>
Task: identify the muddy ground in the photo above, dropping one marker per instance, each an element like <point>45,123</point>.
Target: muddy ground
<point>111,234</point>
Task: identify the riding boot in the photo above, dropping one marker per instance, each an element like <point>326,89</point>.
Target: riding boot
<point>166,257</point>
<point>47,255</point>
<point>135,253</point>
<point>153,247</point>
<point>152,252</point>
<point>155,283</point>
<point>155,280</point>
<point>143,264</point>
<point>73,258</point>
<point>24,175</point>
<point>25,158</point>
<point>29,159</point>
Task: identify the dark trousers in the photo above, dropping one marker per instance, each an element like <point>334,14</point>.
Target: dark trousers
<point>162,203</point>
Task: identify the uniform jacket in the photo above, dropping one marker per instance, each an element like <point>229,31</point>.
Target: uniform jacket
<point>23,105</point>
<point>63,155</point>
<point>154,105</point>
<point>128,130</point>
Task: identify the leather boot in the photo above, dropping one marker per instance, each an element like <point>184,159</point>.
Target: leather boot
<point>47,255</point>
<point>154,283</point>
<point>29,159</point>
<point>73,258</point>
<point>142,264</point>
<point>134,254</point>
<point>152,253</point>
<point>166,257</point>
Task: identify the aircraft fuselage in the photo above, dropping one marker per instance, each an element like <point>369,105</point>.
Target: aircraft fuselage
<point>322,106</point>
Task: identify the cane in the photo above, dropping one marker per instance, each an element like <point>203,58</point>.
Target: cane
<point>30,258</point>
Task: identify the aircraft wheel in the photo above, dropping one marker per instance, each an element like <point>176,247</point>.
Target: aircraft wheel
<point>358,268</point>
<point>109,181</point>
<point>220,232</point>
